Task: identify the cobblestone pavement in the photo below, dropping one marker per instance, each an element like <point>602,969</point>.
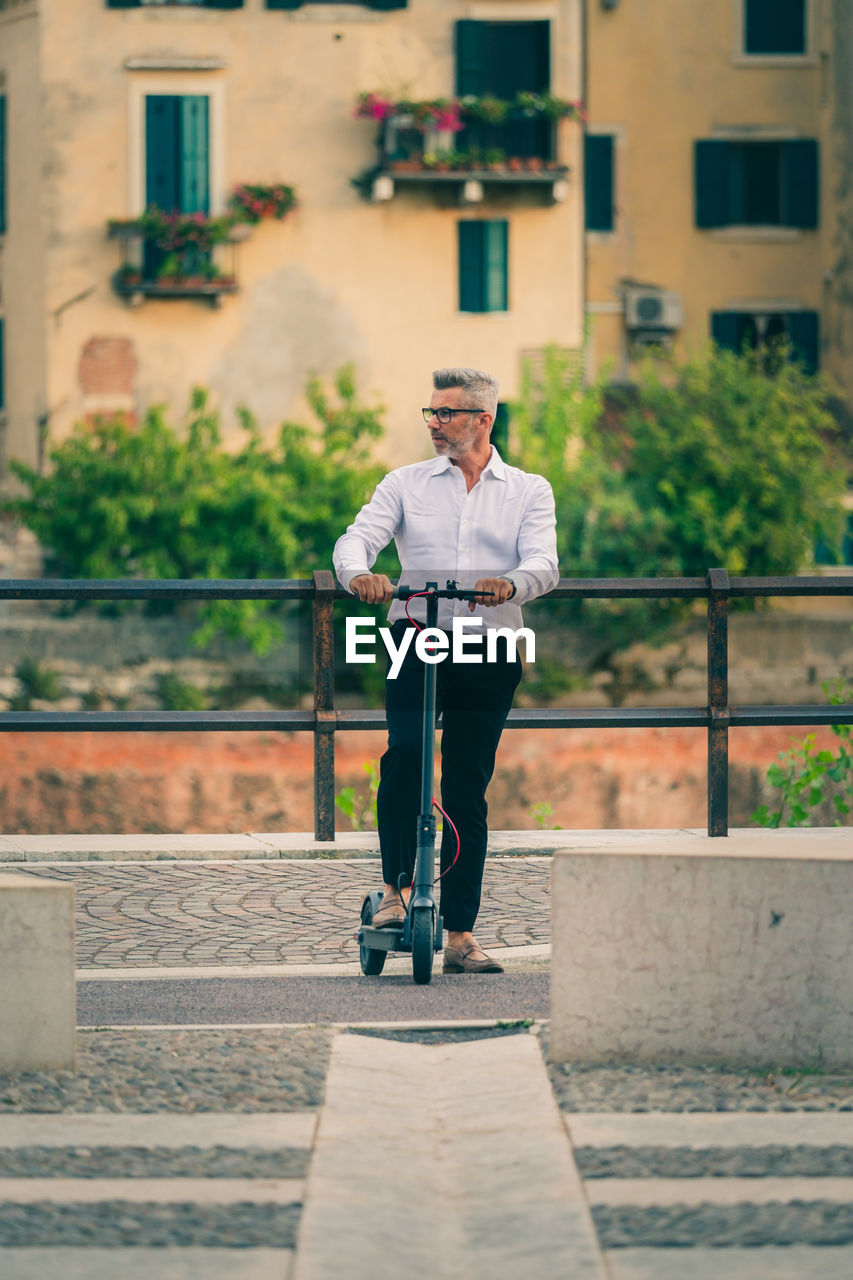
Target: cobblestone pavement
<point>178,914</point>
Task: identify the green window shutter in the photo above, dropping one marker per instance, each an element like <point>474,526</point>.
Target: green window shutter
<point>195,154</point>
<point>2,163</point>
<point>471,275</point>
<point>713,182</point>
<point>123,4</point>
<point>800,167</point>
<point>804,332</point>
<point>161,150</point>
<point>774,26</point>
<point>598,181</point>
<point>386,4</point>
<point>496,235</point>
<point>727,329</point>
<point>471,57</point>
<point>483,261</point>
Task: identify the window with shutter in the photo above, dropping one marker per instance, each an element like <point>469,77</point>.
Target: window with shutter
<point>177,160</point>
<point>775,27</point>
<point>504,59</point>
<point>483,265</point>
<point>745,330</point>
<point>598,181</point>
<point>197,4</point>
<point>757,183</point>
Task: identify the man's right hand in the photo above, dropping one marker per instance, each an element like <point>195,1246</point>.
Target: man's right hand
<point>372,588</point>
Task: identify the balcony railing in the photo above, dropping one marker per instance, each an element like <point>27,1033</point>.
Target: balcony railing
<point>518,152</point>
<point>324,721</point>
<point>149,271</point>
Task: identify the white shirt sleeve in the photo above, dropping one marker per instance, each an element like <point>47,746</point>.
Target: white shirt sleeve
<point>373,528</point>
<point>537,571</point>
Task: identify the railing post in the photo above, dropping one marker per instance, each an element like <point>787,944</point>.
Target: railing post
<point>324,705</point>
<point>718,702</point>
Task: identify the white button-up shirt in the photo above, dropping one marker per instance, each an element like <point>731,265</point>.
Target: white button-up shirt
<point>504,526</point>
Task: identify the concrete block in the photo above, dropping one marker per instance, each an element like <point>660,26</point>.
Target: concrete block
<point>685,949</point>
<point>38,1001</point>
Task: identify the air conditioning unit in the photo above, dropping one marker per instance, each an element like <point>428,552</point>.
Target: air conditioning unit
<point>653,309</point>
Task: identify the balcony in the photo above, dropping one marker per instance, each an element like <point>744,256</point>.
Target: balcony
<point>463,149</point>
<point>179,255</point>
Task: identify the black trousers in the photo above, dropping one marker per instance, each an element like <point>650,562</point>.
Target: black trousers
<point>474,701</point>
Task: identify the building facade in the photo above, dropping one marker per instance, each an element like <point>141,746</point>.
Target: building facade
<point>717,176</point>
<point>410,247</point>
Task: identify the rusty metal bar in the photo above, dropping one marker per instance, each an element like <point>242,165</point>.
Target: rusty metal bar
<point>324,705</point>
<point>718,702</point>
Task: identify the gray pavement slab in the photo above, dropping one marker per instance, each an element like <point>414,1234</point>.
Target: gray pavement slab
<point>197,1191</point>
<point>646,1192</point>
<point>791,1262</point>
<point>478,1180</point>
<point>711,1129</point>
<point>146,1264</point>
<point>206,1129</point>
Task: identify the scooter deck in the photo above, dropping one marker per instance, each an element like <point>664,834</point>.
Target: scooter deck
<point>391,939</point>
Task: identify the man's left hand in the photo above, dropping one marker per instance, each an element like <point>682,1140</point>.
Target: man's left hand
<point>500,588</point>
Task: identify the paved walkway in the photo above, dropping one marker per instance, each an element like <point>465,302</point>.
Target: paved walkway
<point>176,1154</point>
<point>199,914</point>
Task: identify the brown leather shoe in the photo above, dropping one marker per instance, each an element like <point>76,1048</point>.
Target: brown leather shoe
<point>389,915</point>
<point>463,961</point>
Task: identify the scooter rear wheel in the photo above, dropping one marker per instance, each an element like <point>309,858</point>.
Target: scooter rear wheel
<point>423,943</point>
<point>372,961</point>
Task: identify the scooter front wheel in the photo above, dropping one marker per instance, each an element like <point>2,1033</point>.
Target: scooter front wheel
<point>423,943</point>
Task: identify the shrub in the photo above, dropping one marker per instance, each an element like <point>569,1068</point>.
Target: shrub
<point>123,501</point>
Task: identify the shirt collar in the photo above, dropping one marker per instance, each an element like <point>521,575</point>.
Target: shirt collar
<point>495,466</point>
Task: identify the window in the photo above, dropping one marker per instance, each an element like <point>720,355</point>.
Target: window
<point>745,330</point>
<point>483,265</point>
<point>598,181</point>
<point>756,183</point>
<point>367,4</point>
<point>500,428</point>
<point>198,4</point>
<point>503,59</point>
<point>774,27</point>
<point>2,164</point>
<point>177,162</point>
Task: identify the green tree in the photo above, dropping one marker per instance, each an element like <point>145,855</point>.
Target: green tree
<point>121,501</point>
<point>714,461</point>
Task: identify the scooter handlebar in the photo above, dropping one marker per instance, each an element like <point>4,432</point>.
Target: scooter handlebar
<point>450,592</point>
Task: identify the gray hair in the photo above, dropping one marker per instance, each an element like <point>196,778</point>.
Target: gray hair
<point>481,389</point>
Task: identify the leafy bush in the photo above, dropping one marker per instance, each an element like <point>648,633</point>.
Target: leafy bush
<point>807,780</point>
<point>122,501</point>
<point>710,462</point>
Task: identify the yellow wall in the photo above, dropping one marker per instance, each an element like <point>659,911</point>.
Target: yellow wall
<point>659,77</point>
<point>22,290</point>
<point>341,279</point>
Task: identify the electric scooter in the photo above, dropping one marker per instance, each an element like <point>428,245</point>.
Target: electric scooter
<point>421,931</point>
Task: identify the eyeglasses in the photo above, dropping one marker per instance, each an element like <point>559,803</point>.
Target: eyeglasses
<point>446,415</point>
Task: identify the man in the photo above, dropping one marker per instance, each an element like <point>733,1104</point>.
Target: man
<point>462,515</point>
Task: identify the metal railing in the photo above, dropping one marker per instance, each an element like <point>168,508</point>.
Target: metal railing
<point>324,721</point>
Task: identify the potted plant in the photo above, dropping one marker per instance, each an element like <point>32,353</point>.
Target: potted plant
<point>169,272</point>
<point>495,159</point>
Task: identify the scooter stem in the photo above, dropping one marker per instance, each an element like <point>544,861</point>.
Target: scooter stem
<point>422,891</point>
